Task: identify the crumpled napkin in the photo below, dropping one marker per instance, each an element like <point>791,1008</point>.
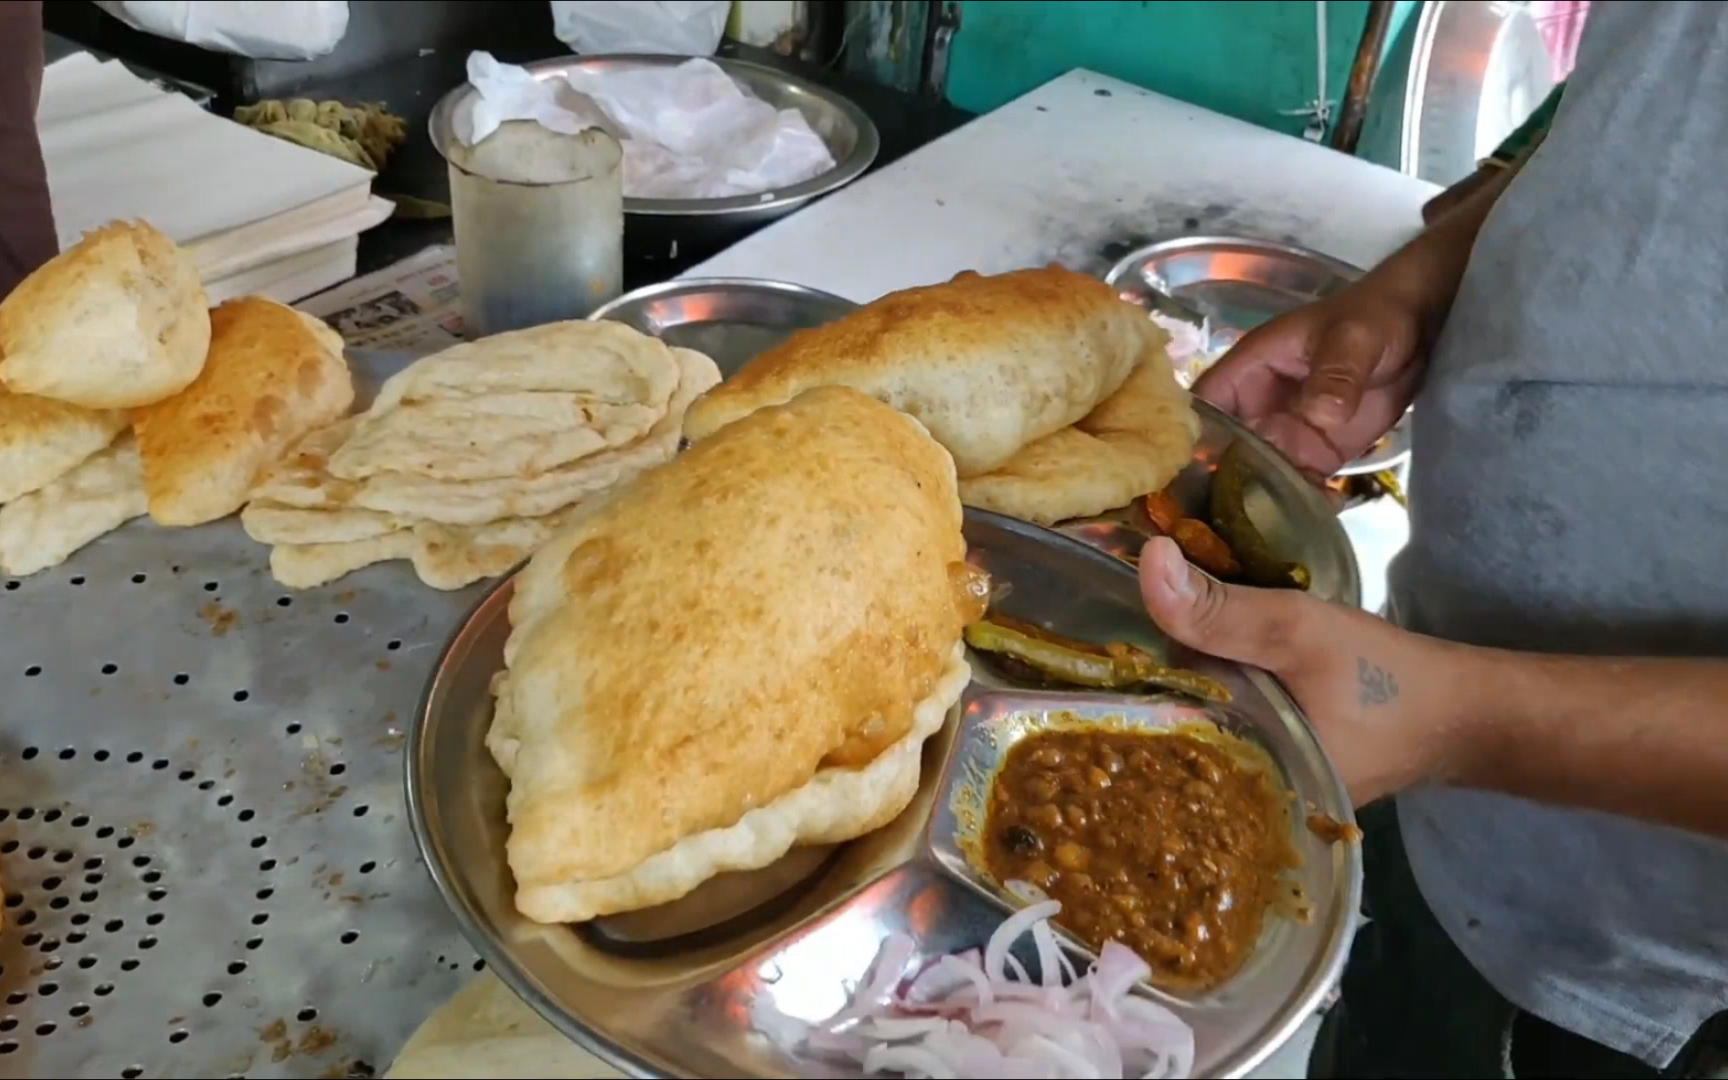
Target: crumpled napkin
<point>688,132</point>
<point>508,92</point>
<point>1192,348</point>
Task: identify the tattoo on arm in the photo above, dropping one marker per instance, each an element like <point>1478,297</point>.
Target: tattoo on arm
<point>1375,685</point>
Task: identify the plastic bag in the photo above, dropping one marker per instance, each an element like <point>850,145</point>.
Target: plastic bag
<point>693,133</point>
<point>674,27</point>
<point>260,29</point>
<point>688,131</point>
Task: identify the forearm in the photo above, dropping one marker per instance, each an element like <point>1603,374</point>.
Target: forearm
<point>1643,738</point>
<point>1426,272</point>
<point>1511,152</point>
<point>1430,267</point>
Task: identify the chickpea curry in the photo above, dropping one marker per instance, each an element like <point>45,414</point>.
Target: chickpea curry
<point>1164,842</point>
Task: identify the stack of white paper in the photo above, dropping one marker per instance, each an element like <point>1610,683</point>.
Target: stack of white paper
<point>259,215</point>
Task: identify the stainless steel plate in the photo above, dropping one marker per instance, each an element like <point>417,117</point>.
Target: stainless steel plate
<point>729,319</point>
<point>1239,283</point>
<point>735,998</point>
<point>850,135</point>
<point>1477,71</point>
<point>1293,515</point>
<point>1390,452</point>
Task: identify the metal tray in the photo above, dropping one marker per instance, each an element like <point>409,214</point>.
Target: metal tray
<point>207,870</point>
<point>1239,283</point>
<point>733,994</point>
<point>202,841</point>
<point>849,134</point>
<point>730,319</point>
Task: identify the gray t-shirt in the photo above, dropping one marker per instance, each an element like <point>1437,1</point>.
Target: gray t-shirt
<point>1570,494</point>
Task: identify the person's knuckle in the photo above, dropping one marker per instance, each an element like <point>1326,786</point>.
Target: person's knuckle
<point>1354,341</point>
<point>1210,612</point>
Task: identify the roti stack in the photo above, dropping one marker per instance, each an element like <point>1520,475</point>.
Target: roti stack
<point>1056,399</point>
<point>741,651</point>
<point>469,459</point>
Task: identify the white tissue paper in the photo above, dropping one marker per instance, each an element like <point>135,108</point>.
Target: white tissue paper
<point>688,132</point>
<point>260,29</point>
<point>670,27</point>
<point>1192,348</point>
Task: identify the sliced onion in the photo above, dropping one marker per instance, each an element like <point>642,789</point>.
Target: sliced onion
<point>948,975</point>
<point>1119,968</point>
<point>1049,967</point>
<point>1044,1048</point>
<point>979,1017</point>
<point>891,960</point>
<point>895,1028</point>
<point>908,1060</point>
<point>996,949</point>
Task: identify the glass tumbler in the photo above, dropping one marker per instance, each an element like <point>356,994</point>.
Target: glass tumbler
<point>539,223</point>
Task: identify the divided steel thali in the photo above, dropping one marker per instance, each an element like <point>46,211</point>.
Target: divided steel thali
<point>742,976</point>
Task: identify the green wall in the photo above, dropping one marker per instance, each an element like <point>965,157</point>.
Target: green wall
<point>1250,59</point>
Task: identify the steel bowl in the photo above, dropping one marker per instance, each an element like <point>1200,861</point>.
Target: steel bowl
<point>729,319</point>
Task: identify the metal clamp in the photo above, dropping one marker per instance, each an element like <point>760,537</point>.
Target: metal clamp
<point>942,24</point>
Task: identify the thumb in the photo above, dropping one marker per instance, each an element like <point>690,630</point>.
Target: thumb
<point>1249,626</point>
<point>1345,355</point>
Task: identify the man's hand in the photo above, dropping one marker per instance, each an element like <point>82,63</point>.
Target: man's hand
<point>1366,686</point>
<point>1646,738</point>
<point>1324,382</point>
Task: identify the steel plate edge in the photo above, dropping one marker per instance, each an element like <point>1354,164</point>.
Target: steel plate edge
<point>1188,243</point>
<point>1332,973</point>
<point>673,286</point>
<point>486,943</point>
<point>1338,953</point>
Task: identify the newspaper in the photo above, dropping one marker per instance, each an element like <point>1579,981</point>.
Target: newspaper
<point>413,306</point>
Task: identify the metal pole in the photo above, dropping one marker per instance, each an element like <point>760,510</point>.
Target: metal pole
<point>1363,69</point>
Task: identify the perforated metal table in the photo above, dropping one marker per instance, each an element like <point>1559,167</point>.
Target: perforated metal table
<point>207,867</point>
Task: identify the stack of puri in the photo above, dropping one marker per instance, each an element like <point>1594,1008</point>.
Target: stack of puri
<point>1056,399</point>
<point>740,652</point>
<point>122,394</point>
<point>471,458</point>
